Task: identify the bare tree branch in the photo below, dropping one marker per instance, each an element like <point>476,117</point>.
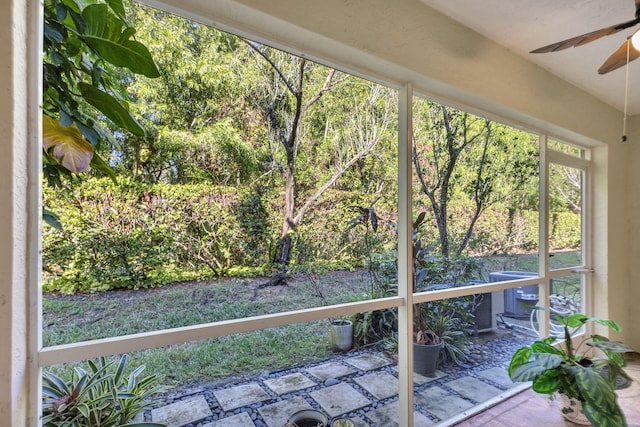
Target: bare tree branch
<point>286,81</point>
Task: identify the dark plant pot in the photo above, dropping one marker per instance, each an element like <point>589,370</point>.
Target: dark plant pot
<point>309,418</point>
<point>341,335</point>
<point>425,358</point>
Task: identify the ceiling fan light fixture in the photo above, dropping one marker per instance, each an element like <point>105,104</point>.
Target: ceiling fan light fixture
<point>635,40</point>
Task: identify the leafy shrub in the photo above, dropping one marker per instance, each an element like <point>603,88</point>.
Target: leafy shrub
<point>134,235</point>
<point>104,396</point>
<point>565,231</point>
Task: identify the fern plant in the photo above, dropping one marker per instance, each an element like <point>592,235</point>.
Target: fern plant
<point>103,396</point>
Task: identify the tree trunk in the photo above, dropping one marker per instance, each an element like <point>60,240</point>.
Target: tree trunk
<point>283,256</point>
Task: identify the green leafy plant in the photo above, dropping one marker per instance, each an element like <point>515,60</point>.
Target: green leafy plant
<point>377,325</point>
<point>104,396</point>
<point>566,370</point>
<point>444,321</point>
<point>84,46</point>
<point>442,325</point>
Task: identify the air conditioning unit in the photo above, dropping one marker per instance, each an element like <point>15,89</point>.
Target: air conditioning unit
<point>517,301</point>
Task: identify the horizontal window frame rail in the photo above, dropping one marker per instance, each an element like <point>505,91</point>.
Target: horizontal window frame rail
<point>568,271</point>
<point>463,291</point>
<point>64,353</point>
<point>563,159</point>
<point>85,350</point>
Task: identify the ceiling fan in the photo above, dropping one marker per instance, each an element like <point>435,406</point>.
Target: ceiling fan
<point>626,53</point>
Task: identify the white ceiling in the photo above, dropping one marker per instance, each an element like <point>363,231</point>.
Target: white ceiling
<point>524,25</point>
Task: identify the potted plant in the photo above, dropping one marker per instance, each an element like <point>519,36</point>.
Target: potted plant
<point>341,334</point>
<point>438,325</point>
<point>427,343</point>
<point>585,382</point>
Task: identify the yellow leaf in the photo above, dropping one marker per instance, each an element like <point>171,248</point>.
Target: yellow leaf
<point>69,147</point>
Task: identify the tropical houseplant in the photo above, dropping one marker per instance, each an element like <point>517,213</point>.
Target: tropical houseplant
<point>105,396</point>
<point>588,382</point>
<point>427,343</point>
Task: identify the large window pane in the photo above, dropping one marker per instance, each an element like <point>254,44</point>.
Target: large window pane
<point>266,183</point>
<point>476,180</point>
<point>565,216</point>
<point>476,221</point>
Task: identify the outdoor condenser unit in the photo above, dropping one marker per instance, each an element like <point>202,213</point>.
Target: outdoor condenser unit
<point>517,301</point>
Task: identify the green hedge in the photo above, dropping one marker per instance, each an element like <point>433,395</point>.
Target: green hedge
<point>134,235</point>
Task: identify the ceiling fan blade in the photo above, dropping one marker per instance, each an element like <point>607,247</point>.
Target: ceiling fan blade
<point>587,38</point>
<point>619,57</point>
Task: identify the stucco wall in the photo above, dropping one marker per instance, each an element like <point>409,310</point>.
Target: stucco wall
<point>14,355</point>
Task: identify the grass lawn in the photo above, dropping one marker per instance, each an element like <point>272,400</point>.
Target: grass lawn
<point>75,318</point>
<point>68,319</point>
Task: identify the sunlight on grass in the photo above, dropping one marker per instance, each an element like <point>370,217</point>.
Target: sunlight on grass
<point>242,354</point>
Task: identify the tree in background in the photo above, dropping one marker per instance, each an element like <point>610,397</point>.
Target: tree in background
<point>459,156</point>
<point>287,89</point>
<point>229,112</point>
<point>200,130</point>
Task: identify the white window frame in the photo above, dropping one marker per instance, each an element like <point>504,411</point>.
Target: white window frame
<point>582,164</point>
<point>53,355</point>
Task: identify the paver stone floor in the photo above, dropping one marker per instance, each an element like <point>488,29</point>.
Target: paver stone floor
<point>388,415</point>
<point>339,399</point>
<point>473,389</point>
<point>276,414</point>
<point>362,387</point>
<point>182,412</point>
<point>242,395</point>
<point>380,385</point>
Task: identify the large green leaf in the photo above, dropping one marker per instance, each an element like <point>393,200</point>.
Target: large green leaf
<point>609,323</point>
<point>51,219</point>
<point>118,7</point>
<point>111,108</point>
<point>595,390</point>
<point>547,383</point>
<point>110,37</point>
<point>575,320</point>
<point>543,347</point>
<point>99,164</point>
<point>69,147</point>
<point>612,346</point>
<point>520,357</point>
<point>534,369</point>
<point>599,418</point>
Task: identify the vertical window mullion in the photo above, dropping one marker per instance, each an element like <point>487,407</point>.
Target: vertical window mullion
<point>543,239</point>
<point>405,258</point>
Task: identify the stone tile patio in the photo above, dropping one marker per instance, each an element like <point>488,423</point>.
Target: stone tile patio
<point>340,399</point>
<point>242,395</point>
<point>362,387</point>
